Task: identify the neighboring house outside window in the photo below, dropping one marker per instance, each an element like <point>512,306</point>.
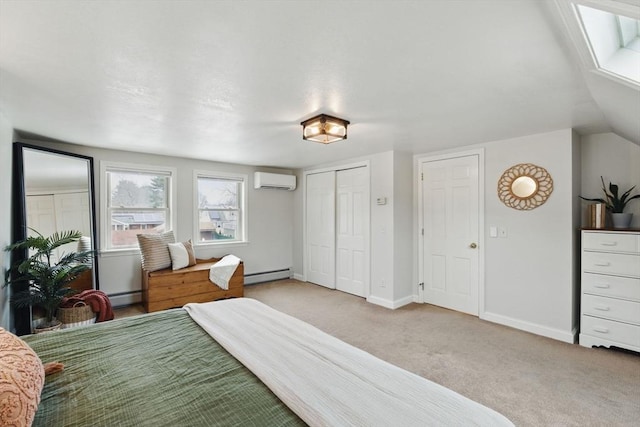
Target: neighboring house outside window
<point>138,201</point>
<point>220,210</point>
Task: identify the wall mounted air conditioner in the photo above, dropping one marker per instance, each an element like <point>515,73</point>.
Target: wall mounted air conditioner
<point>274,180</point>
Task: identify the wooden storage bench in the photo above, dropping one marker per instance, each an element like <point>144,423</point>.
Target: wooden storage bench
<point>167,288</point>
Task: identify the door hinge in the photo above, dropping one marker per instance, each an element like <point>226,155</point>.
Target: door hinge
<point>422,231</point>
<point>421,176</point>
<point>421,285</point>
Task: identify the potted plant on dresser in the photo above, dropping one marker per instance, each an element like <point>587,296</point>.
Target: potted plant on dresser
<point>44,278</point>
<point>616,204</point>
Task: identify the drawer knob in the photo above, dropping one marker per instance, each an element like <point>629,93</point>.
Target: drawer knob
<point>602,286</point>
<point>601,330</point>
<point>602,307</point>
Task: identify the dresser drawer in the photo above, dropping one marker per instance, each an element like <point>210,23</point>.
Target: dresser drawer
<point>606,263</point>
<point>611,242</point>
<point>611,286</point>
<point>611,308</point>
<point>611,330</point>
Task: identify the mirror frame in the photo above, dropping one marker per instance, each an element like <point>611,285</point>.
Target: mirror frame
<point>544,186</point>
<point>22,316</point>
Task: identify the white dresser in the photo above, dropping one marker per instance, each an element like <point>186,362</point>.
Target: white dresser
<point>610,294</point>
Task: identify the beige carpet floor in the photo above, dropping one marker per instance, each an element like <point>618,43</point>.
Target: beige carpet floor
<point>534,381</point>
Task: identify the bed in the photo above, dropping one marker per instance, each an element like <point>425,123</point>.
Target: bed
<point>172,368</point>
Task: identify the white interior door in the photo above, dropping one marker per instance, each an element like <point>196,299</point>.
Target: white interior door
<point>450,212</point>
<point>352,225</point>
<point>321,234</point>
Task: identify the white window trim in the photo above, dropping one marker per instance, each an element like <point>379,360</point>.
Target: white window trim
<point>572,20</point>
<point>105,221</point>
<point>244,217</point>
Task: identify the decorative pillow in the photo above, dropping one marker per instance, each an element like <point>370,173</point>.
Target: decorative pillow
<point>155,251</point>
<point>21,381</point>
<point>182,255</point>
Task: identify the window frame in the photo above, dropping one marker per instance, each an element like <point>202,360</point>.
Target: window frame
<point>574,24</point>
<point>105,210</point>
<point>243,179</point>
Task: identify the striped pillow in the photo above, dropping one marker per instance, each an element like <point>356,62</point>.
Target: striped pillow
<point>155,250</point>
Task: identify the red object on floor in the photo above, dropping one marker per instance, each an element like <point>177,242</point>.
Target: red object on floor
<point>97,300</point>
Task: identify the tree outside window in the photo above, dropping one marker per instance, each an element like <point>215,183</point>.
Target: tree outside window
<point>219,209</point>
<point>137,204</point>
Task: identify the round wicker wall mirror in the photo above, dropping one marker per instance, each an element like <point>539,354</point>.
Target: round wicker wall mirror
<point>525,186</point>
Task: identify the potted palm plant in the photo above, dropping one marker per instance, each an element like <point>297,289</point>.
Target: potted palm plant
<point>43,279</point>
<point>616,204</point>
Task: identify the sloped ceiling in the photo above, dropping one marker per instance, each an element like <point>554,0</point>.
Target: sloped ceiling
<point>230,81</point>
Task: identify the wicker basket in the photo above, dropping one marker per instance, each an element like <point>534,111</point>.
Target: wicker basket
<point>78,315</point>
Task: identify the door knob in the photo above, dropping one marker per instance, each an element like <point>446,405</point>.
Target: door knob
<point>473,246</point>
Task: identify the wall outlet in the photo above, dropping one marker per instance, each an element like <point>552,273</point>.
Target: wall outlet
<point>382,285</point>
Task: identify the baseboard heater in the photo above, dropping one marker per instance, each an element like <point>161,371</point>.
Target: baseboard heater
<point>267,276</point>
<point>122,299</point>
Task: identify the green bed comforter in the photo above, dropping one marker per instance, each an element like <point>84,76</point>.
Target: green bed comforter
<point>159,369</point>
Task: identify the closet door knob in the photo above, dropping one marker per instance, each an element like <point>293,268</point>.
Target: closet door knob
<point>473,246</point>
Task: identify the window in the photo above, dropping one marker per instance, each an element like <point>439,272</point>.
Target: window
<point>220,208</point>
<point>138,201</point>
<point>614,41</point>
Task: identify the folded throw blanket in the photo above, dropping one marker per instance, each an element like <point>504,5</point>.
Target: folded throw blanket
<point>220,273</point>
<point>328,382</point>
<point>97,300</point>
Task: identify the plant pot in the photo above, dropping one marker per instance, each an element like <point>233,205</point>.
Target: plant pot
<point>621,220</point>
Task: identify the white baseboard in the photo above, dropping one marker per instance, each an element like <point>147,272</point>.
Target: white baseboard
<point>298,277</point>
<point>388,303</point>
<point>268,276</point>
<point>545,331</point>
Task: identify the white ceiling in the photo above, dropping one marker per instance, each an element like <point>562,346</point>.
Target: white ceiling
<point>230,81</point>
<point>45,171</point>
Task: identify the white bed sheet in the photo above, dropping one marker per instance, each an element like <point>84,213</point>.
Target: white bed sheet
<point>326,381</point>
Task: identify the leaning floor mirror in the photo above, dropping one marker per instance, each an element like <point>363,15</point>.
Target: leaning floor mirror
<point>53,191</point>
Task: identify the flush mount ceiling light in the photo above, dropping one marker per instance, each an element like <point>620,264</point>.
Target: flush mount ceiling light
<point>324,129</point>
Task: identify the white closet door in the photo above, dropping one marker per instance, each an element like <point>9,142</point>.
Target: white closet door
<point>320,219</point>
<point>72,213</point>
<point>352,223</point>
<point>41,215</point>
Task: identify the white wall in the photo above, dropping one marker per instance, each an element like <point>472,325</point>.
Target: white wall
<point>530,275</point>
<point>617,160</point>
<point>576,166</point>
<point>270,218</point>
<point>403,247</point>
<point>6,137</point>
<point>382,230</point>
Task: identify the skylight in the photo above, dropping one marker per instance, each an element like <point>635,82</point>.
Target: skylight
<point>614,41</point>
